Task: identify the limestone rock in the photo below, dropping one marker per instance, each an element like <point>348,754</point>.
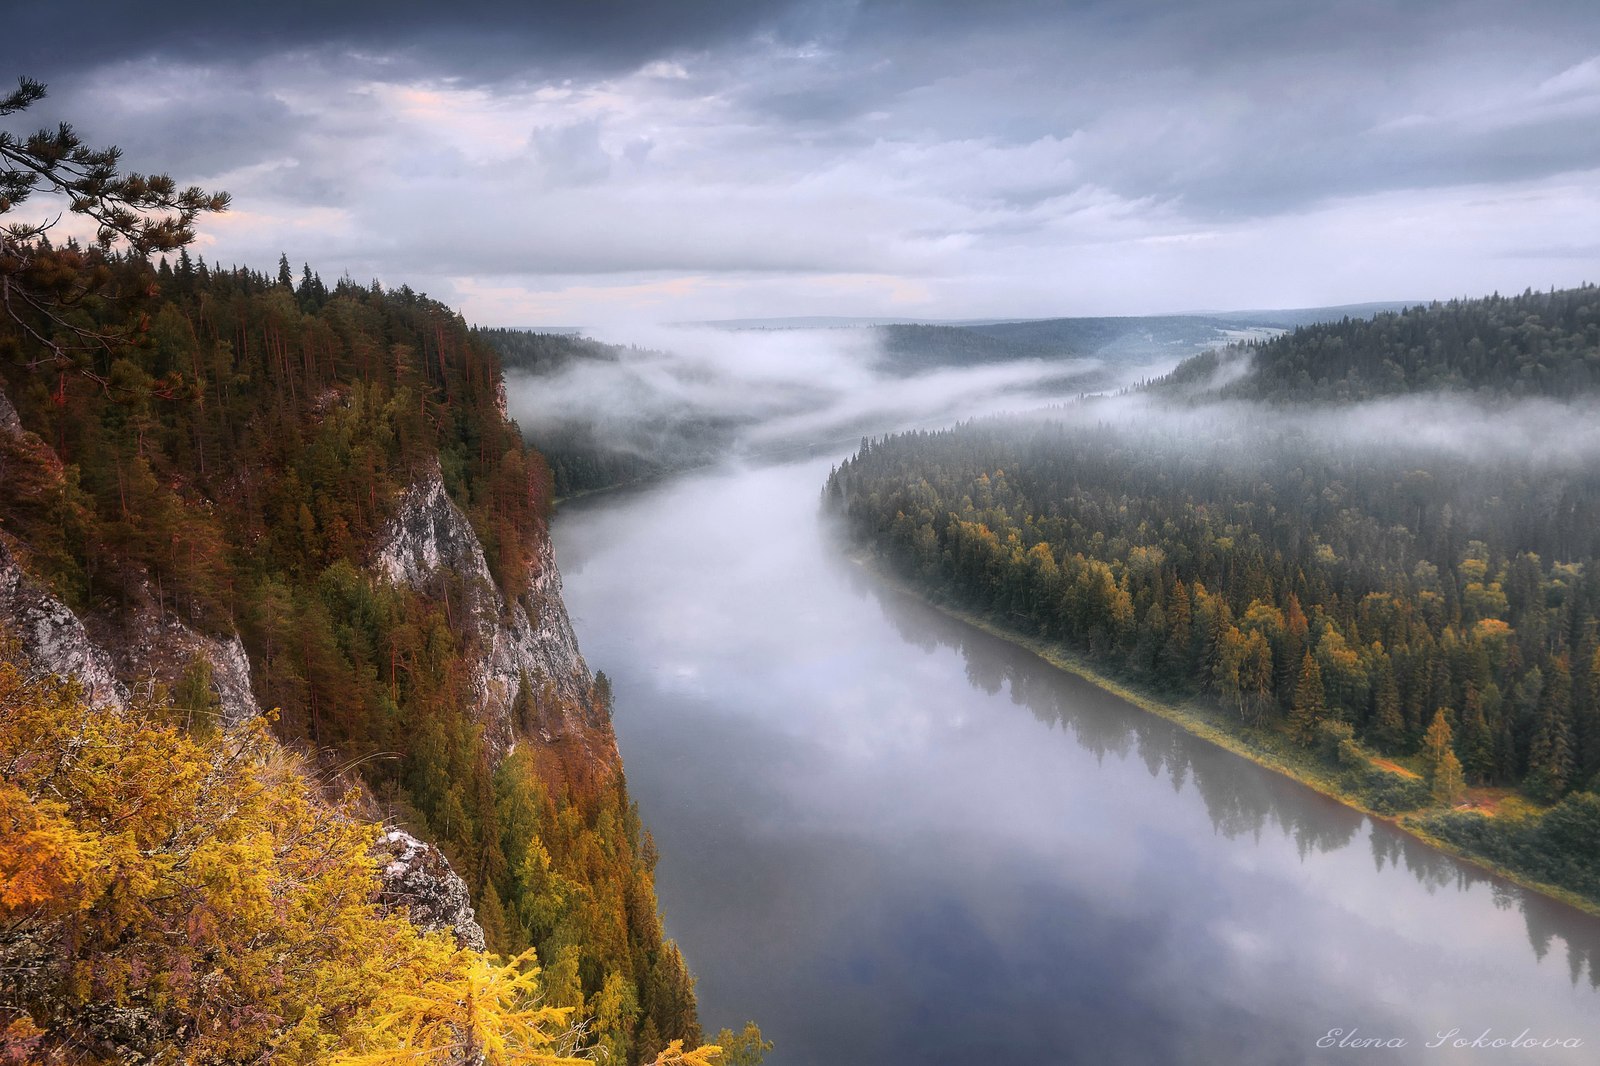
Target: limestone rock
<point>149,644</point>
<point>416,875</point>
<point>429,545</point>
<point>53,638</point>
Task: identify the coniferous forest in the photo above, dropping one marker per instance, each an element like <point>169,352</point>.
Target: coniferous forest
<point>1421,619</point>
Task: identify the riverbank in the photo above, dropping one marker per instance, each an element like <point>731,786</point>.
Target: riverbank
<point>1265,748</point>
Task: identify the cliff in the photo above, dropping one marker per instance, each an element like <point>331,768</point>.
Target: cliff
<point>314,502</point>
<point>111,653</point>
<point>429,545</point>
<point>51,636</point>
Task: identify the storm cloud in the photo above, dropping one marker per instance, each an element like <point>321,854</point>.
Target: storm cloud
<point>580,161</point>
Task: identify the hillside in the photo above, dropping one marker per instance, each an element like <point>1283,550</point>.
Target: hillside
<point>1538,343</point>
<point>224,492</point>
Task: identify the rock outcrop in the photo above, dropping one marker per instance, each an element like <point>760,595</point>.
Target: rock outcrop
<point>112,656</point>
<point>52,637</point>
<point>110,653</point>
<point>147,644</point>
<point>429,545</point>
<point>416,876</point>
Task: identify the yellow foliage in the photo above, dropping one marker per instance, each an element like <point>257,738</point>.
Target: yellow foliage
<point>491,1008</point>
<point>46,865</point>
<point>192,901</point>
<point>674,1055</point>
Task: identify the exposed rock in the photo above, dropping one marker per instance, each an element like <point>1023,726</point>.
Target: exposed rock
<point>418,877</point>
<point>51,636</point>
<point>107,654</point>
<point>150,644</point>
<point>429,545</point>
<point>230,676</point>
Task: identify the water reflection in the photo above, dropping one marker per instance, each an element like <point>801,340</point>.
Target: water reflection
<point>867,846</point>
<point>1239,803</point>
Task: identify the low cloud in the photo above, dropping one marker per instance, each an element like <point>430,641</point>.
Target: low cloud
<point>756,393</point>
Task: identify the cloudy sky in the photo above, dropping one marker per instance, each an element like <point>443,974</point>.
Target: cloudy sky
<point>595,161</point>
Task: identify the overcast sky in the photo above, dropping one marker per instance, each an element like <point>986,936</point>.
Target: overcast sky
<point>598,161</point>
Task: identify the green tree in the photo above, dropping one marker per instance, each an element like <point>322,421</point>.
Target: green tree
<point>745,1048</point>
<point>144,213</point>
<point>194,700</point>
<point>1309,706</point>
<point>1550,749</point>
<point>1388,721</point>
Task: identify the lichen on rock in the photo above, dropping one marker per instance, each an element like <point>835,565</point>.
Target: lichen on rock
<point>416,876</point>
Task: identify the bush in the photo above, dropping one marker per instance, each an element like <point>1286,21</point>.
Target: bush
<point>1334,742</point>
<point>1385,791</point>
<point>1560,847</point>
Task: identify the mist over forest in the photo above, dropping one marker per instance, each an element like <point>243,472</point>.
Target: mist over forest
<point>619,404</point>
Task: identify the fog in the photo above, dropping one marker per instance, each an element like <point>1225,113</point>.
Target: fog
<point>890,837</point>
<point>701,391</point>
<point>1441,425</point>
<point>689,396</point>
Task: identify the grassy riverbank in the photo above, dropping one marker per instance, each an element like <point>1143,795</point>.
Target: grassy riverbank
<point>1266,747</point>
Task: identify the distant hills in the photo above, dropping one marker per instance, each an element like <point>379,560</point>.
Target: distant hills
<point>1538,343</point>
<point>591,447</point>
<point>1129,345</point>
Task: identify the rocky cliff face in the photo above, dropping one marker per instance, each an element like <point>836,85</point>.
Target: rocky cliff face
<point>111,656</point>
<point>147,644</point>
<point>430,546</point>
<point>52,638</point>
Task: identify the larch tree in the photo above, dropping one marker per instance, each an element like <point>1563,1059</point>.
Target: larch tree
<point>1445,778</point>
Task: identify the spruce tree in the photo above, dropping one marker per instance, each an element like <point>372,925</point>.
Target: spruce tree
<point>1310,702</point>
<point>1550,761</point>
<point>1388,724</point>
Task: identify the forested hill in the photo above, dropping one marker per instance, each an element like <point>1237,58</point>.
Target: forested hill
<point>1328,598</point>
<point>322,478</point>
<point>1538,343</point>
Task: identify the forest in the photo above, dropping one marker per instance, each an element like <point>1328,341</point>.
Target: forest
<point>226,445</point>
<point>1538,343</point>
<point>1421,620</point>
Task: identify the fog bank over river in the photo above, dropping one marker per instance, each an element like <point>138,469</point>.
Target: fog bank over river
<point>891,838</point>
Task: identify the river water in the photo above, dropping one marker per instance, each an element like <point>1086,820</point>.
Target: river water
<point>893,839</point>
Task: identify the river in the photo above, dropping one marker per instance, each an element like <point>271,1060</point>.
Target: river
<point>893,839</point>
